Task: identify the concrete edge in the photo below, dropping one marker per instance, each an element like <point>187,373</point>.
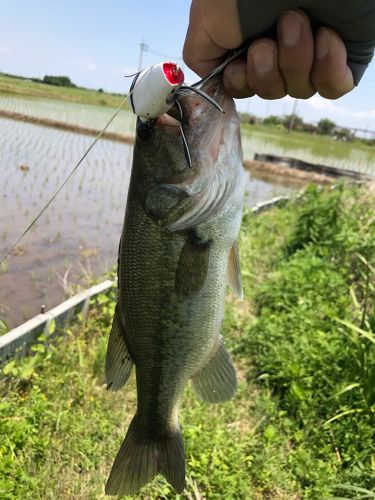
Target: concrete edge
<point>19,339</point>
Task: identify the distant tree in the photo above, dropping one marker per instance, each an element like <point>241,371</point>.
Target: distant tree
<point>343,134</point>
<point>293,122</point>
<point>100,90</point>
<point>310,128</point>
<point>249,118</point>
<point>61,81</point>
<point>326,126</point>
<point>273,120</point>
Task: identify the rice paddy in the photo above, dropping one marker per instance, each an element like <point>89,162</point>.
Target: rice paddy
<point>82,115</point>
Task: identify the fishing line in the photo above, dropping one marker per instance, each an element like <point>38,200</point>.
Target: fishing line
<point>38,216</point>
<point>184,141</point>
<point>232,55</point>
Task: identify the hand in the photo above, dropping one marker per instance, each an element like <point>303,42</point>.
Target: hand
<point>297,63</point>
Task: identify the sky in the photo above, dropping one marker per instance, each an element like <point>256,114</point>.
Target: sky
<point>96,43</point>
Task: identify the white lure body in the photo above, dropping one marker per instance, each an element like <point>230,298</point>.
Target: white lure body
<point>153,89</point>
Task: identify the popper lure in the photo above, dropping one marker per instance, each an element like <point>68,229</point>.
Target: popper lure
<point>153,90</point>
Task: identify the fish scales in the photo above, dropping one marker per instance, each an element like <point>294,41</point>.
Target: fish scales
<point>172,278</point>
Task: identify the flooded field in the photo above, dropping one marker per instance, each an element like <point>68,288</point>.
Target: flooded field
<point>77,238</point>
<point>81,115</point>
<point>256,139</point>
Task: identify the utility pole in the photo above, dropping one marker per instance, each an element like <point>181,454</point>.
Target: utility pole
<point>292,118</point>
<point>143,47</point>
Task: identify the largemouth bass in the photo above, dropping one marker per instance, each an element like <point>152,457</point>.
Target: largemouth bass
<point>178,252</point>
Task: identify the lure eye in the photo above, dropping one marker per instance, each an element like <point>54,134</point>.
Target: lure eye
<point>144,131</point>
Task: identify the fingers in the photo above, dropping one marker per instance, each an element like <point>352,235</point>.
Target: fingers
<point>296,53</point>
<point>295,65</point>
<point>330,74</point>
<point>260,74</point>
<point>263,73</point>
<point>235,79</point>
<point>276,69</point>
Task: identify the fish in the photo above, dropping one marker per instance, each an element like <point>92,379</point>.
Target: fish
<point>178,252</point>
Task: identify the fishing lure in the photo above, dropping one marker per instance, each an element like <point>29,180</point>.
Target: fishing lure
<point>152,90</point>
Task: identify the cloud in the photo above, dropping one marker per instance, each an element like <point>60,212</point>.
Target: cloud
<point>319,103</point>
<point>91,66</point>
<point>85,64</point>
<point>4,49</point>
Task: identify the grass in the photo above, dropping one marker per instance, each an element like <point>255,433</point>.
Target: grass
<point>302,424</point>
<point>22,87</point>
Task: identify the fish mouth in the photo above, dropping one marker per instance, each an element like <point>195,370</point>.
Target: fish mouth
<point>204,124</point>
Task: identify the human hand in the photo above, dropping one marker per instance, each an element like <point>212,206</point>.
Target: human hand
<point>297,63</point>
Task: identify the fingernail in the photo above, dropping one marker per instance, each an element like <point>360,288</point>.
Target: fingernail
<point>236,75</point>
<point>323,43</point>
<point>263,57</point>
<point>290,28</point>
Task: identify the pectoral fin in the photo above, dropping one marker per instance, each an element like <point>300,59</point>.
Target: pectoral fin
<point>234,271</point>
<point>192,265</point>
<point>216,381</point>
<point>118,363</point>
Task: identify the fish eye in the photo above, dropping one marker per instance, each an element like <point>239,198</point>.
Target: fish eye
<point>144,131</point>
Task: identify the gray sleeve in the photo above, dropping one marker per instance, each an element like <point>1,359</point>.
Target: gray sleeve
<point>354,21</point>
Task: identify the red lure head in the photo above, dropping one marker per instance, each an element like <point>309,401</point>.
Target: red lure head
<point>173,73</point>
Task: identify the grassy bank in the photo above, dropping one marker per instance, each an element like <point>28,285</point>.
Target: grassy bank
<point>303,420</point>
<point>27,88</point>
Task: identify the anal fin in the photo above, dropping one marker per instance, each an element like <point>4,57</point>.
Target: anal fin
<point>216,381</point>
<point>118,363</point>
<point>234,271</point>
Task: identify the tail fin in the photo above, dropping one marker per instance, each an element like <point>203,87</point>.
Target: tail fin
<point>141,458</point>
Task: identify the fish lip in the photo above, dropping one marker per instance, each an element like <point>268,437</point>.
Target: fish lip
<point>167,120</point>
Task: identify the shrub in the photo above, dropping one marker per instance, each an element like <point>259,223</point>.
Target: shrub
<point>61,81</point>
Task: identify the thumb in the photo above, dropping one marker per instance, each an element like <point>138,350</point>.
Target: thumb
<point>214,28</point>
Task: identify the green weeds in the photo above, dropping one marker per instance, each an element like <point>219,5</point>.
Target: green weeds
<point>313,339</point>
<point>302,424</point>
